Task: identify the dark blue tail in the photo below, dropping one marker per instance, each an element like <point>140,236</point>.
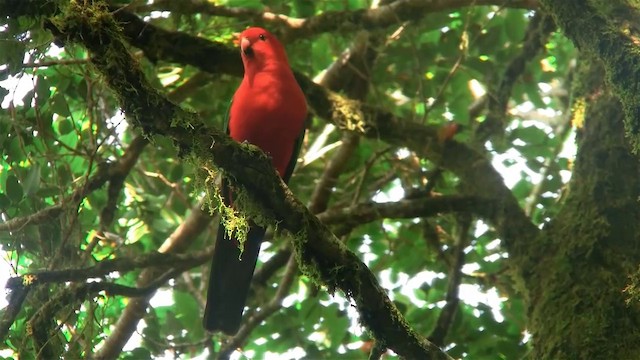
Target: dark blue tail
<point>230,278</point>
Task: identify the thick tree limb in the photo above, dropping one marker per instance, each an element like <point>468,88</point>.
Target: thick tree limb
<point>16,299</point>
<point>618,49</point>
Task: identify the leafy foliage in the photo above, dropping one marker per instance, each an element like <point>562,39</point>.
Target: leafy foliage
<point>66,145</point>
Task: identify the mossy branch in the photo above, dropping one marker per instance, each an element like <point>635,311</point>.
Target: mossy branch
<point>615,45</point>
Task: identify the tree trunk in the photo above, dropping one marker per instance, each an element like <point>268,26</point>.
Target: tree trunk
<point>576,272</point>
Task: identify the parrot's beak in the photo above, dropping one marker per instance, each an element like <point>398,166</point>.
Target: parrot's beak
<point>245,46</point>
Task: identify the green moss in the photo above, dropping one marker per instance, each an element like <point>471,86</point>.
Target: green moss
<point>633,289</point>
<point>236,219</point>
<point>235,222</point>
<point>305,262</point>
<point>350,116</point>
<point>580,266</point>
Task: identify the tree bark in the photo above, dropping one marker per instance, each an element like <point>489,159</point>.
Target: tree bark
<point>576,272</point>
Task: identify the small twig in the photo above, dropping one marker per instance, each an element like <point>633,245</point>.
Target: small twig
<point>331,21</point>
<point>117,179</point>
<point>560,132</point>
<point>55,62</point>
<point>321,194</point>
<point>365,171</point>
<point>448,312</point>
<point>539,29</point>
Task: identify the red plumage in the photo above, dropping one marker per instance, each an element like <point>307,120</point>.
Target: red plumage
<point>268,110</point>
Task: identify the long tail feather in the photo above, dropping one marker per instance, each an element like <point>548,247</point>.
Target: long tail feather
<point>230,279</point>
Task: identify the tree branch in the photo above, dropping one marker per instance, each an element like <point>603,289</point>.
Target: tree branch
<point>331,21</point>
<point>540,27</point>
<point>105,267</point>
<point>450,308</point>
<point>103,173</point>
<point>9,314</point>
<point>118,175</point>
<point>407,209</point>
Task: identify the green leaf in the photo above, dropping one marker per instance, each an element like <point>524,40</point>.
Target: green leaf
<point>514,26</point>
<point>137,354</point>
<point>530,134</point>
<point>14,150</point>
<point>533,94</point>
<point>60,106</point>
<point>3,92</point>
<point>189,313</point>
<point>42,90</point>
<point>13,189</point>
<point>32,182</point>
<point>251,4</point>
<point>64,126</point>
<point>4,201</point>
<point>12,53</point>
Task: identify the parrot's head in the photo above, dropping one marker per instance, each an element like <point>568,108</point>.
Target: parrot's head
<point>259,47</point>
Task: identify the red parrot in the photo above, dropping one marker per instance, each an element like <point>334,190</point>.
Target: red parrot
<point>268,110</point>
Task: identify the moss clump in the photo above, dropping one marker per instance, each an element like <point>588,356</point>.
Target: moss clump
<point>349,114</point>
<point>633,288</point>
<point>578,110</point>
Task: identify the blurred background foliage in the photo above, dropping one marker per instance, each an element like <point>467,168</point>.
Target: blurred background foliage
<point>60,124</point>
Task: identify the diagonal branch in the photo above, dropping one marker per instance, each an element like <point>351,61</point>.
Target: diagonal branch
<point>294,28</point>
<point>540,27</point>
<point>9,314</point>
<point>447,315</point>
<point>104,173</point>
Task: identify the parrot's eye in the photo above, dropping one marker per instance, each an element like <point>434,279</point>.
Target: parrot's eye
<point>262,37</point>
